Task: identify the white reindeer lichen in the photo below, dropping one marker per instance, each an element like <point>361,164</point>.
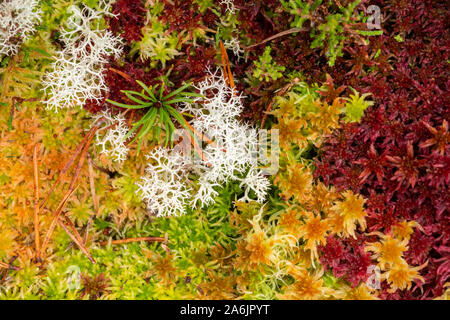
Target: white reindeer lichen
<point>77,74</point>
<point>232,156</point>
<point>113,141</point>
<point>235,46</point>
<point>164,187</point>
<point>230,8</point>
<point>17,22</point>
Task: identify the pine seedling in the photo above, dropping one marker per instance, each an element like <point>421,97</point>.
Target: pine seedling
<point>160,111</point>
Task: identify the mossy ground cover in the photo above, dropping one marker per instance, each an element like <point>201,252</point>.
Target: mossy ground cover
<point>93,91</point>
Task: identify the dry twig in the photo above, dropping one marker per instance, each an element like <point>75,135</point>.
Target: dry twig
<point>280,34</point>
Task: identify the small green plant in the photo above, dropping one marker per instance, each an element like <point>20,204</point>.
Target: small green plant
<point>330,31</point>
<point>157,46</point>
<point>398,38</point>
<point>301,10</point>
<point>160,110</point>
<point>266,68</point>
<point>355,106</point>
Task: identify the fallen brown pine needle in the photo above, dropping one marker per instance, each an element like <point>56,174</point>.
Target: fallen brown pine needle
<point>92,185</point>
<point>8,266</point>
<point>72,227</point>
<point>74,239</point>
<point>122,241</point>
<point>68,164</point>
<point>123,74</point>
<point>226,66</point>
<point>36,202</point>
<point>280,34</point>
<point>82,158</point>
<point>57,213</point>
<point>71,189</point>
<point>94,198</point>
<point>130,120</point>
